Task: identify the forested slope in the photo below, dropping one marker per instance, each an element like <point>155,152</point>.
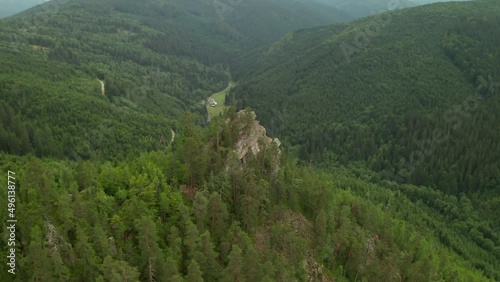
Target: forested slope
<point>198,214</point>
<point>411,94</point>
<point>52,109</point>
<point>154,58</point>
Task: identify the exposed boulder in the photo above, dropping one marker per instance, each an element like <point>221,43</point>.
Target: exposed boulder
<point>252,140</point>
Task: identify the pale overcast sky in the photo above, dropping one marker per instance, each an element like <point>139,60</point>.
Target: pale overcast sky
<point>11,7</point>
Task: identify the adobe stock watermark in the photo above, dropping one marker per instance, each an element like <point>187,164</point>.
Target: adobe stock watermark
<point>11,221</point>
<point>222,8</point>
<point>454,119</point>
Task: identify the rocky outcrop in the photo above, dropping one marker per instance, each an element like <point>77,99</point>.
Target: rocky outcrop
<point>252,139</point>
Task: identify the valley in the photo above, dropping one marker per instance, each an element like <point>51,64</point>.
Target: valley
<point>337,141</point>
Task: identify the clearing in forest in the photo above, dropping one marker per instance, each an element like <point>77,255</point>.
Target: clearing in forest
<point>219,97</point>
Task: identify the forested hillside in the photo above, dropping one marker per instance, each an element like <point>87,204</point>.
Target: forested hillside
<point>198,214</point>
<point>153,58</point>
<point>387,168</point>
<point>411,94</point>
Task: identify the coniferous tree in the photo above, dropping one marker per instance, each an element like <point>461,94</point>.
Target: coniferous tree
<point>217,216</point>
<point>194,272</point>
<point>252,265</point>
<point>118,271</point>
<point>191,239</point>
<point>200,210</point>
<point>320,229</point>
<point>209,259</point>
<point>172,271</point>
<point>234,269</point>
<point>152,266</point>
<point>86,263</point>
<point>41,268</point>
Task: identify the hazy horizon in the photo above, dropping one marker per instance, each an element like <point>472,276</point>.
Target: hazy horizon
<point>12,7</point>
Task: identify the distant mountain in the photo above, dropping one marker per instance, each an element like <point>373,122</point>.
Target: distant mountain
<point>423,2</point>
<point>340,10</point>
<point>265,21</point>
<point>231,27</point>
<point>362,8</point>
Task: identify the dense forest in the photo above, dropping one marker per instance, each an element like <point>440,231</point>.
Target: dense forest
<point>193,212</point>
<point>386,167</point>
<point>414,100</point>
<point>162,60</point>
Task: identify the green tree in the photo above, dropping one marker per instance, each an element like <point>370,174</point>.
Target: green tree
<point>191,241</point>
<point>252,266</point>
<point>86,263</point>
<point>217,215</point>
<point>234,270</point>
<point>209,260</point>
<point>118,271</point>
<point>194,272</point>
<point>320,229</point>
<point>200,210</point>
<point>152,262</point>
<point>171,270</point>
<point>40,268</point>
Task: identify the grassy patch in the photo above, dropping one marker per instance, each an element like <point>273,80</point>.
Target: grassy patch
<point>219,98</point>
